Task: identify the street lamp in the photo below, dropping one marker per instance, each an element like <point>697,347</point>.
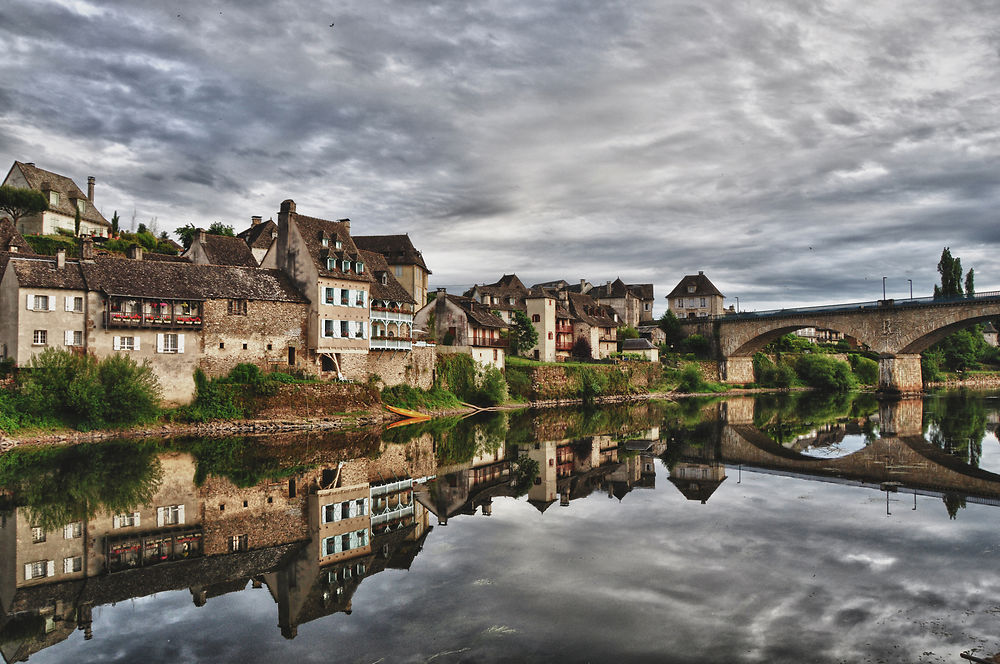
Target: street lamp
<point>883,288</point>
<point>911,288</point>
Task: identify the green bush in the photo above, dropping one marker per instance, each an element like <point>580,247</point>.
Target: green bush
<point>518,381</point>
<point>491,388</point>
<point>690,379</point>
<point>768,374</point>
<point>414,398</point>
<point>132,392</point>
<point>825,373</point>
<point>865,370</point>
<point>591,383</point>
<point>697,345</point>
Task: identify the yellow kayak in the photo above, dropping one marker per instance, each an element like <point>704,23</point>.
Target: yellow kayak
<point>408,413</point>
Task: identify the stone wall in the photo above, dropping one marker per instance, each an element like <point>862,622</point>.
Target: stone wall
<point>262,337</point>
<point>558,382</point>
<point>317,400</point>
<point>414,367</point>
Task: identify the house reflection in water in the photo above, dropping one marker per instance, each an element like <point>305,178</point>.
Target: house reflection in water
<point>700,470</point>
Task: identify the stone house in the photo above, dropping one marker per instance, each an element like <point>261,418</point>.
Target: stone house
<point>322,260</point>
<point>259,237</point>
<point>641,347</point>
<point>620,297</point>
<point>643,293</point>
<point>508,295</point>
<point>407,264</point>
<point>65,200</point>
<point>695,296</point>
<point>463,325</point>
<point>209,249</point>
<point>596,323</point>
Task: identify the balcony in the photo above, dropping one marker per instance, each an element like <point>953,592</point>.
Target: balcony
<point>608,339</point>
<point>115,319</point>
<point>381,313</point>
<point>391,487</point>
<point>564,345</point>
<point>391,343</point>
<point>488,342</point>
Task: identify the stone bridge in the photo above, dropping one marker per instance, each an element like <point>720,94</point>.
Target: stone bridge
<point>897,331</point>
<point>901,455</point>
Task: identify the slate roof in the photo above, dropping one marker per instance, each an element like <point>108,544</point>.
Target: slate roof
<point>313,230</point>
<point>9,236</point>
<point>477,312</point>
<point>187,281</point>
<point>397,249</point>
<point>637,344</point>
<point>67,189</point>
<point>701,283</point>
<point>258,236</point>
<point>39,272</point>
<point>226,250</point>
<point>584,308</point>
<point>391,289</point>
<point>508,286</point>
<point>642,291</point>
<point>616,288</point>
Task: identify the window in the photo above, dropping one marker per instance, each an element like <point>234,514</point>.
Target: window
<point>126,343</point>
<point>359,298</point>
<point>346,266</point>
<point>703,302</point>
<point>222,345</point>
<point>237,307</point>
<point>170,515</point>
<point>53,198</point>
<point>74,304</point>
<point>170,343</point>
<point>331,263</point>
<point>81,205</point>
<point>346,542</point>
<point>125,520</point>
<point>237,543</point>
<point>550,335</point>
<point>338,244</point>
<point>359,267</point>
<point>535,318</point>
<point>345,296</point>
<point>330,295</point>
<point>74,338</point>
<point>73,530</point>
<point>40,302</point>
<point>344,329</point>
<point>691,289</point>
<point>680,302</point>
<point>72,564</point>
<point>397,270</point>
<point>37,534</point>
<point>39,338</point>
<point>646,306</point>
<point>39,569</point>
<point>325,242</point>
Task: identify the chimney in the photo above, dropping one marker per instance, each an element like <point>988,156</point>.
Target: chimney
<point>87,249</point>
<point>135,252</point>
<point>288,206</point>
<point>90,187</point>
<point>254,221</point>
<point>346,222</point>
<point>701,273</point>
<point>583,284</point>
<point>440,310</point>
<point>29,163</point>
<point>201,235</point>
<point>61,259</point>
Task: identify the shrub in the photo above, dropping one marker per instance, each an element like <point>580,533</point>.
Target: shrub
<point>697,345</point>
<point>691,380</point>
<point>769,374</point>
<point>131,390</point>
<point>865,370</point>
<point>491,388</point>
<point>826,373</point>
<point>519,381</point>
<point>592,383</point>
<point>581,349</point>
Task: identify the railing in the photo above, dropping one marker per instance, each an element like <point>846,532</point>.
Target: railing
<point>850,306</point>
<point>564,345</point>
<point>115,319</point>
<point>607,340</point>
<point>386,314</point>
<point>392,515</point>
<point>489,343</point>
<point>391,487</point>
<point>390,343</point>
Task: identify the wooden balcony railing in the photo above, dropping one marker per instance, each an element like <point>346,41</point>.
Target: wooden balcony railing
<point>489,343</point>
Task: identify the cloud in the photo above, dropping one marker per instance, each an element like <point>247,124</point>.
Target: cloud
<point>568,139</point>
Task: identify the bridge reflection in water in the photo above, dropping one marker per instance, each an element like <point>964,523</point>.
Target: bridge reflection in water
<point>310,519</point>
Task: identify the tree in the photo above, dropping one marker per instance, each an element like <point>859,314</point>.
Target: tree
<point>950,270</point>
<point>188,232</point>
<point>521,335</point>
<point>581,348</point>
<point>671,328</point>
<point>76,223</point>
<point>115,223</point>
<point>217,228</point>
<point>970,283</point>
<point>20,202</point>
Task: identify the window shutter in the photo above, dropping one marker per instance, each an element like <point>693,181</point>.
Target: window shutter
<point>116,521</point>
<point>159,343</point>
<point>135,342</point>
<point>30,301</point>
<point>50,568</point>
<point>67,565</point>
<point>180,343</point>
<point>135,519</point>
<point>159,517</point>
<point>69,303</point>
<point>52,307</point>
<point>180,514</point>
<point>68,337</point>
<point>68,531</point>
<point>117,341</point>
<point>27,572</point>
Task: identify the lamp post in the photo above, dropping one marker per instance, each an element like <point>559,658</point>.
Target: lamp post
<point>883,288</point>
<point>911,288</point>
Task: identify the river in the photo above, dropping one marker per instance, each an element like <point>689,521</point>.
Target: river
<point>780,528</point>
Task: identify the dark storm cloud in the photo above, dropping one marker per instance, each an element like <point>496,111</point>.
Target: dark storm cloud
<point>566,139</point>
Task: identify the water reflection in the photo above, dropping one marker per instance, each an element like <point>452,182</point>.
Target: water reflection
<point>310,519</point>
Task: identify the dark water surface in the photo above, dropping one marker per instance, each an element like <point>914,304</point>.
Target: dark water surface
<point>779,529</point>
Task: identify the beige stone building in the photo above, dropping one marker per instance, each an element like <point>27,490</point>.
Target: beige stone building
<point>65,201</point>
<point>695,296</point>
<point>259,237</point>
<point>209,249</point>
<point>463,325</point>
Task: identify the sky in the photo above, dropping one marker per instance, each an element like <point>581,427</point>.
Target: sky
<point>797,152</point>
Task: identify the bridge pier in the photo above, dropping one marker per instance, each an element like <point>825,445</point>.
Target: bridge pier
<point>736,370</point>
<point>901,417</point>
<point>900,374</point>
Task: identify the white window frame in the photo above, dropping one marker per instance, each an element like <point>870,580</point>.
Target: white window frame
<point>40,338</point>
<point>71,302</point>
<point>39,569</point>
<point>170,515</point>
<point>72,564</point>
<point>163,347</point>
<point>73,530</point>
<point>73,338</point>
<point>397,270</point>
<point>126,520</point>
<point>330,295</point>
<point>35,302</point>
<point>359,267</point>
<point>126,343</point>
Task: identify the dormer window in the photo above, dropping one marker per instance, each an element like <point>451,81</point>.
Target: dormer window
<point>691,289</point>
<point>338,244</point>
<point>53,198</point>
<point>360,267</point>
<point>325,241</point>
<point>81,205</point>
<point>385,280</point>
<point>347,266</point>
<point>331,263</point>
